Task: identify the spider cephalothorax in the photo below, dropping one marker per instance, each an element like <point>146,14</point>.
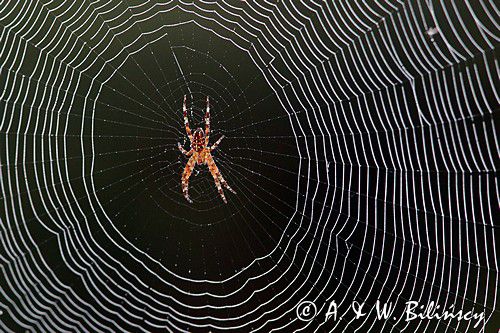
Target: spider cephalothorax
<point>200,153</point>
<point>198,142</point>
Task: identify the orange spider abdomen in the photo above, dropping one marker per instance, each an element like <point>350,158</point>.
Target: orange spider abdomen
<point>202,157</point>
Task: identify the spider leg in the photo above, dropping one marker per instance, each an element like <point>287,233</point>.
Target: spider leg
<point>216,143</point>
<point>187,153</point>
<point>216,174</point>
<point>188,169</point>
<point>225,184</point>
<point>207,122</point>
<point>186,120</point>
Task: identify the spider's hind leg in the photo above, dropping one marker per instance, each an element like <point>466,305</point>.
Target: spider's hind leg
<point>185,178</point>
<point>216,175</point>
<point>219,187</point>
<point>225,184</point>
<point>221,192</point>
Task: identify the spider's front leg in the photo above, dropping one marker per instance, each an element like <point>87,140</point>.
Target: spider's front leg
<point>186,120</point>
<point>188,169</point>
<point>207,122</point>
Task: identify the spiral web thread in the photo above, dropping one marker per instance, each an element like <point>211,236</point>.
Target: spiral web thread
<point>392,105</point>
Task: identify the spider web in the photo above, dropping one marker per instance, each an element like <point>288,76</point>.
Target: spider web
<point>360,139</point>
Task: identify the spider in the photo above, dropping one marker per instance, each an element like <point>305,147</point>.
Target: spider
<point>201,153</point>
